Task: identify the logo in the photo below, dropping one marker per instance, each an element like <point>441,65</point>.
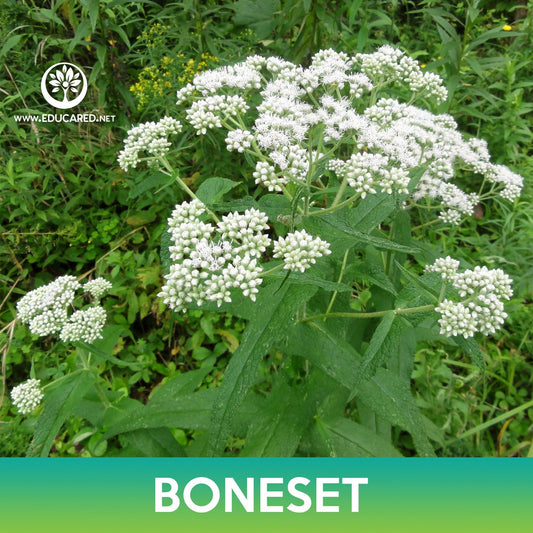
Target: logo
<point>67,82</point>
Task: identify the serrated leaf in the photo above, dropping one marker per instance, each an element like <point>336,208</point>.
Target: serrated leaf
<point>259,15</point>
<point>92,8</point>
<point>390,397</point>
<point>371,211</point>
<point>164,253</point>
<point>239,205</point>
<point>471,347</point>
<point>151,182</point>
<point>372,273</point>
<point>158,442</point>
<point>179,385</point>
<point>276,431</point>
<point>385,393</point>
<point>374,355</point>
<point>190,412</point>
<point>341,230</point>
<point>58,405</point>
<point>342,437</point>
<point>213,189</point>
<point>275,309</point>
<point>304,278</point>
<point>274,205</point>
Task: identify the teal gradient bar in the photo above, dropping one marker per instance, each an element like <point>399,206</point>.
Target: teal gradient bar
<point>402,495</point>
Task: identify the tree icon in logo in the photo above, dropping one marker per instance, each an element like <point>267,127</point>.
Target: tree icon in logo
<point>66,79</point>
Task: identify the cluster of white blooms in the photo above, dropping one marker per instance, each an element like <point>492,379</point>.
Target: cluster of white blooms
<point>445,266</point>
<point>150,137</point>
<point>84,325</point>
<point>208,113</point>
<point>365,171</point>
<point>210,261</point>
<point>266,175</point>
<point>239,140</point>
<point>389,64</point>
<point>97,287</point>
<point>299,250</point>
<point>27,396</point>
<point>326,102</point>
<point>482,291</point>
<point>46,310</point>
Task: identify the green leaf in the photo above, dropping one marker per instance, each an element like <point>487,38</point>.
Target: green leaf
<point>179,385</point>
<point>390,397</point>
<point>9,44</point>
<point>305,278</point>
<point>92,8</point>
<point>373,273</point>
<point>277,429</point>
<point>213,189</point>
<point>275,309</point>
<point>59,403</point>
<point>371,211</point>
<point>344,438</point>
<point>164,253</point>
<point>471,347</point>
<point>374,356</point>
<point>158,442</point>
<point>387,394</point>
<point>259,15</point>
<point>494,33</point>
<point>151,182</point>
<point>274,205</point>
<point>188,412</point>
<point>328,351</point>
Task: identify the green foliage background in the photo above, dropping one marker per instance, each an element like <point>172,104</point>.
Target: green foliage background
<point>66,207</point>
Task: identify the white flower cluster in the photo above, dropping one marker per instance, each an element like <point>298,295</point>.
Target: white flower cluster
<point>97,287</point>
<point>209,261</point>
<point>212,261</point>
<point>27,396</point>
<point>239,140</point>
<point>297,106</point>
<point>85,325</point>
<point>482,291</point>
<point>46,310</point>
<point>445,266</point>
<point>208,113</point>
<point>389,64</point>
<point>150,137</point>
<point>365,171</point>
<point>299,250</point>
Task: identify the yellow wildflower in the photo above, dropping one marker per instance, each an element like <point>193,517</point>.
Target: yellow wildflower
<point>507,28</point>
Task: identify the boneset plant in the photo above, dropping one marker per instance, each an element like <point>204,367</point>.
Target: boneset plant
<point>324,256</point>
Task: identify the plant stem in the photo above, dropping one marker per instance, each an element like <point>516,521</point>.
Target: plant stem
<point>97,386</point>
<point>334,208</point>
<point>340,192</point>
<point>173,173</point>
<point>272,270</point>
<point>373,314</point>
<point>331,302</point>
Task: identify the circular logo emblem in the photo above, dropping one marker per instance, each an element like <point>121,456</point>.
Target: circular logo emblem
<point>66,82</point>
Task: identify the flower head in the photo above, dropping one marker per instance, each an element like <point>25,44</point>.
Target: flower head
<point>210,261</point>
<point>46,309</point>
<point>299,250</point>
<point>27,396</point>
<point>482,291</point>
